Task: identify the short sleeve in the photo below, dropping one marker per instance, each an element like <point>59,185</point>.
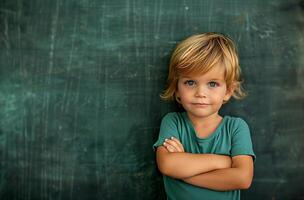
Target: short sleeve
<point>168,128</point>
<point>241,140</point>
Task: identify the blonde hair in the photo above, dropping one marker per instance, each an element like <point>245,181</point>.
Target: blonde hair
<point>197,55</point>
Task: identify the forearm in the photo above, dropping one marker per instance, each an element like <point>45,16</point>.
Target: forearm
<point>224,179</point>
<point>185,165</point>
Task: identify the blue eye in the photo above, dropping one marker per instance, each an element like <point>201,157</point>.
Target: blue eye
<point>213,84</point>
<point>190,82</point>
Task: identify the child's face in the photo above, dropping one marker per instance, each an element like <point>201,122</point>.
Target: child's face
<point>203,95</point>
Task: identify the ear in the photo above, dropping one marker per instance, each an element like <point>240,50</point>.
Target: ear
<point>177,97</point>
<point>176,93</point>
<point>229,92</point>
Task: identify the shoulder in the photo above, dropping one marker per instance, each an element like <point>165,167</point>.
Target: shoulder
<point>235,123</point>
<point>173,116</point>
<point>173,119</point>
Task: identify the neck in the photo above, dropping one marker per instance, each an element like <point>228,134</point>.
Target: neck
<point>205,121</point>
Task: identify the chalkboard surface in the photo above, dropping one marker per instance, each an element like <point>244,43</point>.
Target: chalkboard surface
<point>80,83</point>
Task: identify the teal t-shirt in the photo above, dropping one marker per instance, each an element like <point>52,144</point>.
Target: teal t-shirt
<point>231,137</point>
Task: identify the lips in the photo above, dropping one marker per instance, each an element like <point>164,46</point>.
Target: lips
<point>200,104</point>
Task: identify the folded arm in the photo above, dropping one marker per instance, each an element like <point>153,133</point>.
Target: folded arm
<point>239,176</point>
<point>183,165</point>
<point>217,176</point>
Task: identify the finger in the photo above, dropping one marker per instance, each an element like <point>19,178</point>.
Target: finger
<point>175,144</point>
<point>169,147</point>
<point>178,142</point>
<point>180,145</point>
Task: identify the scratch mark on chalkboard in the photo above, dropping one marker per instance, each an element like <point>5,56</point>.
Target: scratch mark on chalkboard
<point>210,23</point>
<point>53,36</point>
<point>75,126</point>
<point>127,13</point>
<point>5,32</point>
<point>46,98</point>
<point>70,60</point>
<point>51,57</point>
<point>105,101</point>
<point>72,45</point>
<point>156,24</point>
<point>135,36</point>
<point>247,22</point>
<point>266,34</point>
<point>157,19</point>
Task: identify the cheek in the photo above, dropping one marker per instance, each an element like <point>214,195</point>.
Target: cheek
<point>219,96</point>
<point>185,95</point>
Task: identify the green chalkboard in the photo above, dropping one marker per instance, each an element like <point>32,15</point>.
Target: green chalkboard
<point>80,83</point>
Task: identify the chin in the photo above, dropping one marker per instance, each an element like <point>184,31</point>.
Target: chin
<point>200,115</point>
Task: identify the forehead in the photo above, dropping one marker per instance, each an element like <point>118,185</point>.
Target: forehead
<point>216,72</point>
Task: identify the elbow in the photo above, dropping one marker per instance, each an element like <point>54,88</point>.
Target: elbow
<point>245,182</point>
<point>164,162</point>
<point>168,169</point>
<point>164,167</point>
<point>164,171</point>
<point>161,167</point>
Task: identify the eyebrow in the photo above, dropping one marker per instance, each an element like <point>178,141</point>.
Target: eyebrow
<point>216,79</point>
<point>212,79</point>
<point>186,77</point>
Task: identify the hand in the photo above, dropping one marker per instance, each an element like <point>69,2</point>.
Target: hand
<point>173,145</point>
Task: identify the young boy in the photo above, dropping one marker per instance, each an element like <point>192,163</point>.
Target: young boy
<point>201,154</point>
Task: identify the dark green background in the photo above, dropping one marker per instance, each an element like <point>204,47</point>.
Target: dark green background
<point>80,83</point>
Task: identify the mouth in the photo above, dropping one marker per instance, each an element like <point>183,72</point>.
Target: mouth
<point>200,104</point>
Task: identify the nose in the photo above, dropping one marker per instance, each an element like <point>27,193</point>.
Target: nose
<point>201,91</point>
